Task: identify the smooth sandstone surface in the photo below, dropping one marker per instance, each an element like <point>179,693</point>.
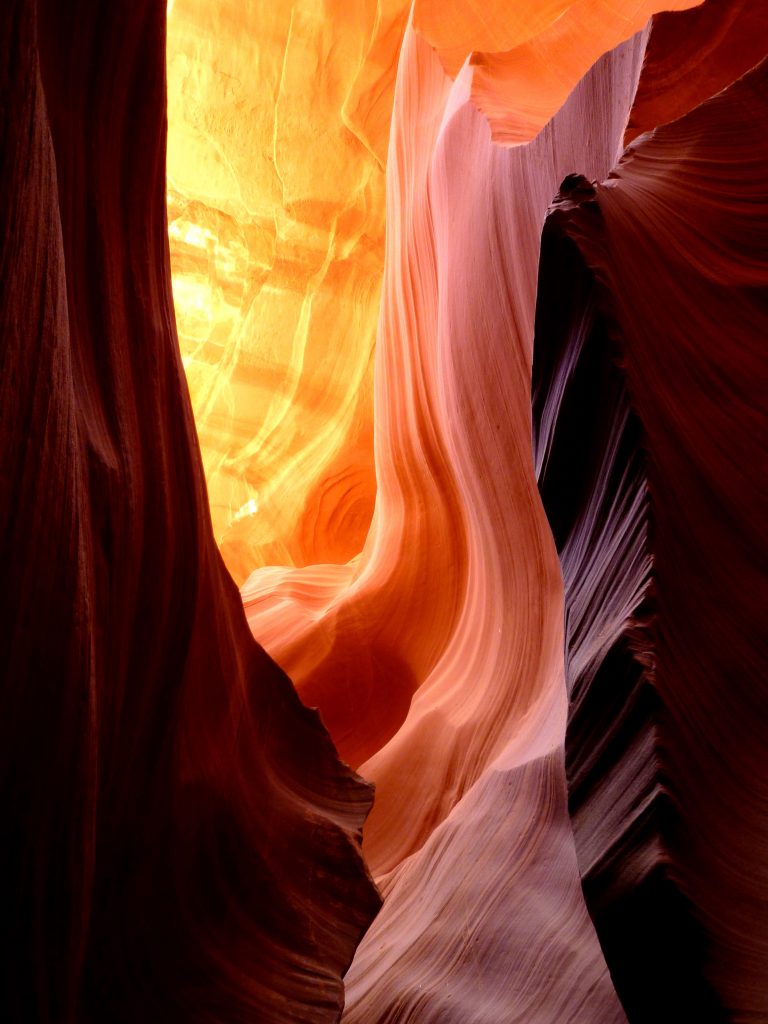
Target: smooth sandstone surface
<point>482,602</point>
<point>465,651</point>
<point>527,58</point>
<point>279,118</point>
<point>179,841</point>
<point>451,618</point>
<point>469,398</point>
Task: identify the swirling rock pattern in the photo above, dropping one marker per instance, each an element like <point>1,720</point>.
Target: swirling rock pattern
<point>487,922</point>
<point>461,682</point>
<point>419,625</point>
<point>488,718</point>
<point>179,840</point>
<point>474,553</point>
<point>566,391</point>
<point>649,356</point>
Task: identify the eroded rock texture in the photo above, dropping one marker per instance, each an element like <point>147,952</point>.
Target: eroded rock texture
<point>528,57</point>
<point>459,538</point>
<point>179,842</point>
<point>436,656</point>
<point>279,123</point>
<point>566,390</point>
<point>649,360</point>
<point>486,725</point>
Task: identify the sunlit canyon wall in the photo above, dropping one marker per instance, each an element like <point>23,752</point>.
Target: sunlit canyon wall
<point>279,118</point>
<point>471,300</point>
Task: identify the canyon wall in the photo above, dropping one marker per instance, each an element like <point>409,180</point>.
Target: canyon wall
<point>179,841</point>
<point>441,332</point>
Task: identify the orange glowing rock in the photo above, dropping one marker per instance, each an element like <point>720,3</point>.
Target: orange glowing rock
<point>278,123</point>
<point>427,653</point>
<point>527,61</point>
<point>436,657</point>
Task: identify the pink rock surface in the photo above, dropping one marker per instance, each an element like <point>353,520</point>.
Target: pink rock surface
<point>436,656</point>
<point>548,655</point>
<point>459,574</point>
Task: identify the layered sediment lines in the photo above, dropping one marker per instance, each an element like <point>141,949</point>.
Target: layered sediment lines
<point>568,435</point>
<point>451,616</point>
<point>436,656</point>
<point>648,371</point>
<point>489,716</point>
<point>487,922</point>
<point>527,58</point>
<point>276,225</point>
<point>179,840</point>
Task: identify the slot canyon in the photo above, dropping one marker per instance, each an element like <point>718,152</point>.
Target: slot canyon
<point>383,540</point>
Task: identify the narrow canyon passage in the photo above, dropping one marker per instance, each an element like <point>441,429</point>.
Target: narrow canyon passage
<point>382,418</point>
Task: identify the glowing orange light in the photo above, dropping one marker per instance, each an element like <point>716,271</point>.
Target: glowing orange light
<point>278,123</point>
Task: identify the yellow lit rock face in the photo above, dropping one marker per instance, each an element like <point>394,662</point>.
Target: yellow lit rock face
<point>278,123</point>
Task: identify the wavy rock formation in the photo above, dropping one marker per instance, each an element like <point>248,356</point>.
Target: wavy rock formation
<point>417,626</point>
<point>179,840</point>
<point>691,57</point>
<point>277,231</point>
<point>649,361</point>
<point>436,656</point>
<point>459,545</point>
<point>566,382</point>
<point>487,922</point>
<point>486,725</point>
<point>528,57</point>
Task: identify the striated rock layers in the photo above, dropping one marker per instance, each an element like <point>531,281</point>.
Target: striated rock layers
<point>279,118</point>
<point>436,656</point>
<point>179,842</point>
<point>568,442</point>
<point>649,369</point>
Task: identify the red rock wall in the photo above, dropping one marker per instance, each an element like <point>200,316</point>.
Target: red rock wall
<point>179,840</point>
<point>649,363</point>
<point>548,654</point>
